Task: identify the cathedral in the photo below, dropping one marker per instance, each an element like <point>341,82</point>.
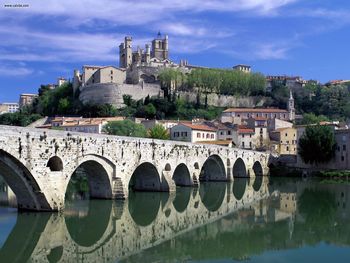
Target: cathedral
<point>137,74</point>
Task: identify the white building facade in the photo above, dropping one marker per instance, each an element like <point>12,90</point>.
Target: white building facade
<point>193,133</point>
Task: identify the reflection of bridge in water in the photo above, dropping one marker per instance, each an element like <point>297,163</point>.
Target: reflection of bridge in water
<point>106,231</point>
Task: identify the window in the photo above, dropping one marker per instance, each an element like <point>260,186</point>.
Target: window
<point>221,133</point>
<point>242,144</point>
<point>250,144</point>
<point>287,148</point>
<point>344,147</point>
<point>112,72</point>
<point>286,134</point>
<point>198,135</point>
<point>242,135</point>
<point>250,136</point>
<point>228,132</point>
<point>212,136</point>
<point>342,158</point>
<point>208,135</point>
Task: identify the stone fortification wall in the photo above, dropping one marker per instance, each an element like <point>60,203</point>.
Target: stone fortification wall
<point>141,91</point>
<point>109,93</point>
<point>218,100</point>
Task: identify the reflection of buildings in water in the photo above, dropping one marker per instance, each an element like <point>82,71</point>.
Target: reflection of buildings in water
<point>288,202</point>
<point>282,207</point>
<point>342,198</point>
<point>279,207</point>
<point>7,196</point>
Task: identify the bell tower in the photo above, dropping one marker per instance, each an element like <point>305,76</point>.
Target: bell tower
<point>291,107</point>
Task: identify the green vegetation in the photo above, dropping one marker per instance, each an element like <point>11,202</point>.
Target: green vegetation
<point>18,118</point>
<point>125,128</point>
<point>332,102</point>
<point>317,145</point>
<point>167,108</point>
<point>159,132</point>
<point>221,81</point>
<point>310,118</point>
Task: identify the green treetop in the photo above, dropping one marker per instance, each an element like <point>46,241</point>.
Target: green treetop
<point>317,145</point>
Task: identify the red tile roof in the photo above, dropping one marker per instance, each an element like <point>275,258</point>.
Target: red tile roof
<point>199,127</point>
<point>255,110</point>
<point>243,129</point>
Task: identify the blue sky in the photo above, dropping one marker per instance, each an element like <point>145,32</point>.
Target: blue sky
<point>49,39</point>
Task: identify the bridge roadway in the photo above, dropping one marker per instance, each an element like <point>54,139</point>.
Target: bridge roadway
<point>38,164</point>
<point>119,230</point>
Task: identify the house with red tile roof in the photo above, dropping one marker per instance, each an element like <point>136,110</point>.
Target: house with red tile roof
<point>230,114</point>
<point>189,132</point>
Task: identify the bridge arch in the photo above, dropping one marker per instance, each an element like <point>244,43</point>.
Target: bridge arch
<point>145,178</point>
<point>28,192</point>
<point>258,169</point>
<point>182,176</point>
<point>213,169</point>
<point>239,168</point>
<point>55,164</point>
<point>258,172</point>
<point>167,167</point>
<point>99,172</point>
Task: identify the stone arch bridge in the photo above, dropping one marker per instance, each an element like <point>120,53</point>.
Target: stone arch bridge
<point>38,165</point>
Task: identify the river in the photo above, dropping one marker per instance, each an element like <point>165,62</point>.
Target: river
<point>262,220</point>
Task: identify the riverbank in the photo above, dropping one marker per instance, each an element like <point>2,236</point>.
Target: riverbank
<point>283,171</point>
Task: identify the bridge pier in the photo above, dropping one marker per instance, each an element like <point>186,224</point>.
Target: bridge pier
<point>119,191</point>
<point>167,183</point>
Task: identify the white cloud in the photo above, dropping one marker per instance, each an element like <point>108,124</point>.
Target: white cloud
<point>40,46</point>
<point>136,12</point>
<point>14,71</point>
<point>262,50</point>
<point>271,51</point>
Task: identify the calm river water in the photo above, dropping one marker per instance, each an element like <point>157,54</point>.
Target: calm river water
<point>275,220</point>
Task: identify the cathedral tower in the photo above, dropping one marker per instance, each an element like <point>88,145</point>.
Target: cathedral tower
<point>125,53</point>
<point>291,108</point>
<point>160,47</point>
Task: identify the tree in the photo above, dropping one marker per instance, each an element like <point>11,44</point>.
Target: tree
<point>125,128</point>
<point>317,144</point>
<point>18,119</point>
<point>150,111</point>
<point>311,118</point>
<point>159,132</point>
